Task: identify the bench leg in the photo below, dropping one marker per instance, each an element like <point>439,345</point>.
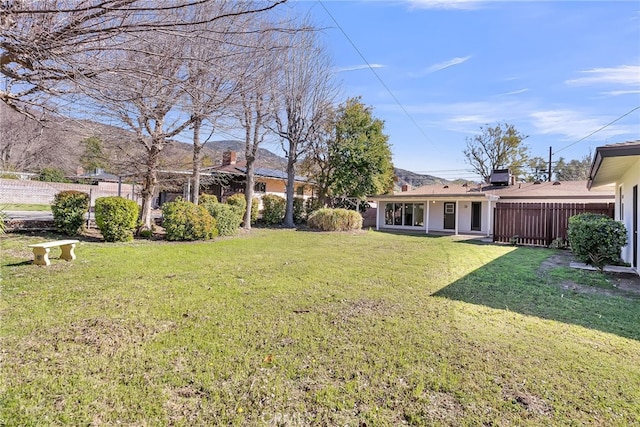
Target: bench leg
<point>41,256</point>
<point>67,252</point>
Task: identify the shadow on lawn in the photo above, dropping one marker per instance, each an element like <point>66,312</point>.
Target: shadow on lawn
<point>514,282</point>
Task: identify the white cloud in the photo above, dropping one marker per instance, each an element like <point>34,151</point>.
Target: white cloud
<point>515,92</point>
<point>446,4</point>
<point>446,64</point>
<point>622,92</point>
<point>623,74</point>
<point>358,67</point>
<point>575,125</point>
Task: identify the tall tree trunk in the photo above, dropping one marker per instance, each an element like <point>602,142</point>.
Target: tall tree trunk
<point>248,191</point>
<point>197,160</point>
<point>291,175</point>
<point>149,185</point>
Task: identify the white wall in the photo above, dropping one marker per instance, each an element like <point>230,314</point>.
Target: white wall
<point>435,220</point>
<point>626,182</point>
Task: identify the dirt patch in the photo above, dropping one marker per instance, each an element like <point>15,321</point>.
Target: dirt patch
<point>364,308</point>
<point>444,407</point>
<point>107,336</point>
<point>624,284</point>
<point>530,402</point>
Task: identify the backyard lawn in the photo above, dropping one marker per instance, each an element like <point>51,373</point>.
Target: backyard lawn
<point>294,328</point>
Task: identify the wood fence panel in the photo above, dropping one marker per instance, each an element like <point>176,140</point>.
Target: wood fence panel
<point>539,224</point>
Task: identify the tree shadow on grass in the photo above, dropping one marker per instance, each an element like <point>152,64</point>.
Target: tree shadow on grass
<point>513,282</point>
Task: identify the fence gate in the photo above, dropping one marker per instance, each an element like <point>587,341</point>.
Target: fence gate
<point>538,224</point>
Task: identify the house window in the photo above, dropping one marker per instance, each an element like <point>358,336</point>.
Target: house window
<point>408,214</point>
<point>260,187</point>
<point>300,190</point>
<point>449,208</point>
<point>404,214</point>
<point>418,215</point>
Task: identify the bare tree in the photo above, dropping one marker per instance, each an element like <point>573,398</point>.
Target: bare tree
<point>255,107</point>
<point>214,75</point>
<point>26,144</point>
<point>143,94</point>
<point>47,44</point>
<point>305,93</point>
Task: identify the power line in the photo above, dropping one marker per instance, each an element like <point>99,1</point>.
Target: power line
<point>377,75</point>
<point>596,131</point>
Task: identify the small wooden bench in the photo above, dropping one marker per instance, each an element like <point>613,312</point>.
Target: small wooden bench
<point>41,251</point>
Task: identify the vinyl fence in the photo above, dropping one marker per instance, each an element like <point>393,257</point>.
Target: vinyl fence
<point>539,224</point>
<point>37,192</point>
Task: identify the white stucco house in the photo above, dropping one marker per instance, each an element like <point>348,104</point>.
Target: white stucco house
<point>619,164</point>
<point>469,209</point>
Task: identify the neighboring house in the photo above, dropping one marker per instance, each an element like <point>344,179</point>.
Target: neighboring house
<point>619,164</point>
<point>470,208</point>
<point>229,178</point>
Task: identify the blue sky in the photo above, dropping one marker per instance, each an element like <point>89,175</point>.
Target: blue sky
<point>558,71</point>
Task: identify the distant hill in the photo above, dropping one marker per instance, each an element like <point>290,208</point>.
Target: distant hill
<point>415,180</point>
<point>29,146</point>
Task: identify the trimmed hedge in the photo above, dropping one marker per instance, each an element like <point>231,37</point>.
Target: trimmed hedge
<point>274,208</point>
<point>206,199</point>
<point>117,218</point>
<point>69,208</point>
<point>238,202</point>
<point>335,220</point>
<point>596,239</point>
<point>299,214</point>
<point>226,216</point>
<point>187,221</point>
<point>255,209</point>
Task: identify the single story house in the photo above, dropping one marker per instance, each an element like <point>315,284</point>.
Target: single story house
<point>229,178</point>
<point>267,181</point>
<point>469,208</point>
<point>619,164</point>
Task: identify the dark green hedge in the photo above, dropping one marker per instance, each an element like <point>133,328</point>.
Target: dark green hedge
<point>117,218</point>
<point>187,221</point>
<point>69,208</point>
<point>596,239</point>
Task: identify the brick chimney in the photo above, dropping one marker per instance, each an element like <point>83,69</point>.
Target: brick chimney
<point>228,158</point>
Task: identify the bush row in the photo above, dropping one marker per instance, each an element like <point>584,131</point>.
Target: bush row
<point>117,217</point>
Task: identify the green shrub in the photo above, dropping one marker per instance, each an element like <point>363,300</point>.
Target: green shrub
<point>238,202</point>
<point>596,239</point>
<point>116,218</point>
<point>298,210</point>
<point>312,204</point>
<point>3,222</point>
<point>52,175</point>
<point>205,199</point>
<point>273,208</point>
<point>69,208</point>
<point>226,216</point>
<point>255,209</point>
<point>335,220</point>
<point>187,221</point>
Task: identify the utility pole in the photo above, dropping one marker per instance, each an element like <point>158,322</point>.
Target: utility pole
<point>550,153</point>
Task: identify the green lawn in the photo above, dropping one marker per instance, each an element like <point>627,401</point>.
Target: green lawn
<point>295,328</point>
<point>8,207</point>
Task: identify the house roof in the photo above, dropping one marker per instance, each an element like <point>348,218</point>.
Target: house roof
<point>612,161</point>
<point>99,175</point>
<point>240,168</point>
<point>521,190</point>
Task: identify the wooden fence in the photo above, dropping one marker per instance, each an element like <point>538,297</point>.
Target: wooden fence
<point>539,224</point>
